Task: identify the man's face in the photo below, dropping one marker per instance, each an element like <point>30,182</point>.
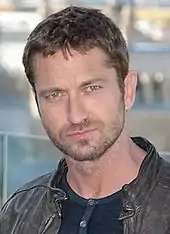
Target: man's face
<point>80,103</point>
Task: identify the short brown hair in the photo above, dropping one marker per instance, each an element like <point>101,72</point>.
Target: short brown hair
<point>81,29</point>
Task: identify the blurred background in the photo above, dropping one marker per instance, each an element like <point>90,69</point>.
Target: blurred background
<point>25,151</point>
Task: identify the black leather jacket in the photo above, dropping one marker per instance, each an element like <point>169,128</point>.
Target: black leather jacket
<point>36,208</point>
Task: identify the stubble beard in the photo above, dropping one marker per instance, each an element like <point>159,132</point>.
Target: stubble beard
<point>86,149</point>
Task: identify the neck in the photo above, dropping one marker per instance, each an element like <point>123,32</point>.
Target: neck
<point>101,178</point>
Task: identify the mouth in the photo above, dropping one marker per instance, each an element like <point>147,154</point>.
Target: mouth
<point>80,134</point>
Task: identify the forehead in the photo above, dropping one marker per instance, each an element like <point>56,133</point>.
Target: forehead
<point>72,57</point>
<point>77,65</point>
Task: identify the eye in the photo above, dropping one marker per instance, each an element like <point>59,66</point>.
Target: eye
<point>53,96</point>
<point>93,88</point>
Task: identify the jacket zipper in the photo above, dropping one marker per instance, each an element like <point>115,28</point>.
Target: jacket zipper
<point>47,224</point>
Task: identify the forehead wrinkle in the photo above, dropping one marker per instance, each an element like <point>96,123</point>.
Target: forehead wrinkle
<point>74,61</point>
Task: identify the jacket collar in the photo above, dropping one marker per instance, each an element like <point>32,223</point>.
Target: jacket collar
<point>137,192</point>
<point>56,194</point>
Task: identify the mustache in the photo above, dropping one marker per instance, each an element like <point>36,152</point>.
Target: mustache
<point>84,125</point>
<point>78,127</point>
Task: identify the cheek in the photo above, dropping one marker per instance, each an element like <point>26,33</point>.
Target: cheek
<point>103,104</point>
<point>52,116</point>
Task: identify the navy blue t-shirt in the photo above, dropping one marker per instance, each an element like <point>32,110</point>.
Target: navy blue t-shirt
<point>90,216</point>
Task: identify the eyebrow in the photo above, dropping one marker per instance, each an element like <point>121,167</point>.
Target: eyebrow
<point>92,81</point>
<point>44,92</point>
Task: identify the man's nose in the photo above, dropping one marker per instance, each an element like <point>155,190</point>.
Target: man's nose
<point>77,111</point>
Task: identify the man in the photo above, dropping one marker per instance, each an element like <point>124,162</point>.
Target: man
<point>107,182</point>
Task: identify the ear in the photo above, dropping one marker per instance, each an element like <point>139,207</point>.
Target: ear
<point>130,84</point>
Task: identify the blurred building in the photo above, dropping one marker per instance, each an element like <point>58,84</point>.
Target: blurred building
<point>146,27</point>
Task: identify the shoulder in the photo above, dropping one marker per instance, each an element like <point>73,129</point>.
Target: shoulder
<point>164,174</point>
<point>23,202</point>
<point>31,188</point>
<point>40,180</point>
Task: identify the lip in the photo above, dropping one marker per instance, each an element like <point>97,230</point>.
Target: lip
<point>81,133</point>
